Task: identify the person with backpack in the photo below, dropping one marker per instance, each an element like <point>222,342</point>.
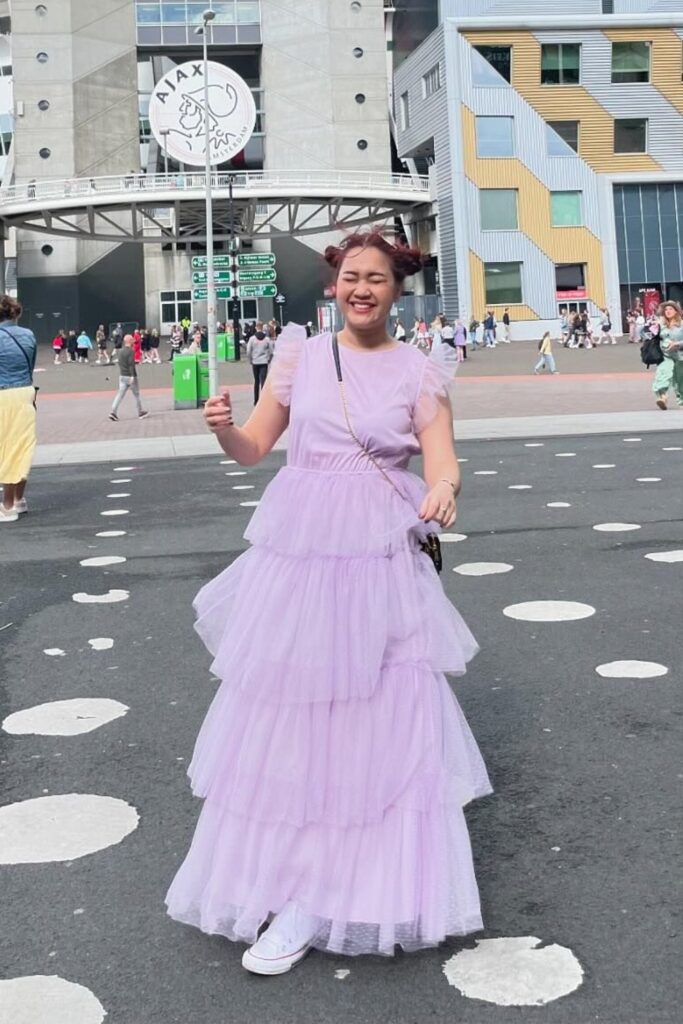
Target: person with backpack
<point>669,373</point>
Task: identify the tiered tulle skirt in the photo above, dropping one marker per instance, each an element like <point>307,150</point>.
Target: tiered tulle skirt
<point>334,762</point>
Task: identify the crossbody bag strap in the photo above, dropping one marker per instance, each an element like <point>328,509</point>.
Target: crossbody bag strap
<point>352,432</point>
<point>21,349</point>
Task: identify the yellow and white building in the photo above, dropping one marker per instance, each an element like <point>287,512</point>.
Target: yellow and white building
<point>555,142</point>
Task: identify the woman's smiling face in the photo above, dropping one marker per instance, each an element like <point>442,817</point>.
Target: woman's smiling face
<point>366,288</point>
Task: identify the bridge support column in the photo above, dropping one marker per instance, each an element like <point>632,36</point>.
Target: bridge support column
<point>3,278</point>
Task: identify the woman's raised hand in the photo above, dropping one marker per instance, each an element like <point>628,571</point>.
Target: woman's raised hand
<point>218,412</point>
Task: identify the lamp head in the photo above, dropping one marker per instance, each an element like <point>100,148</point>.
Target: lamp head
<point>208,16</point>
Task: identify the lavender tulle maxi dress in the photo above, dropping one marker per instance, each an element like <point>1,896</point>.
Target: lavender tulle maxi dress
<point>334,762</point>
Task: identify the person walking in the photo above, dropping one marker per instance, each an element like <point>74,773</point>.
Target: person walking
<point>137,345</point>
<point>176,340</point>
<point>605,329</point>
<point>399,330</point>
<point>473,327</point>
<point>72,347</point>
<point>17,409</point>
<point>259,354</point>
<point>59,346</point>
<point>145,345</point>
<point>460,338</point>
<point>185,325</point>
<point>83,347</point>
<point>669,373</point>
<point>489,329</point>
<point>506,325</point>
<point>101,342</point>
<point>546,360</point>
<point>128,379</point>
<point>335,759</point>
<point>154,341</point>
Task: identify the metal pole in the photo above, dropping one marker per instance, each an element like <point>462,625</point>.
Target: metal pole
<point>235,300</point>
<point>165,136</point>
<point>210,283</point>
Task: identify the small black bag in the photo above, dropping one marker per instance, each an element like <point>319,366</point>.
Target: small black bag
<point>650,350</point>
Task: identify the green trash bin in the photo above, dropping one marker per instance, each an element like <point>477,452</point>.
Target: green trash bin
<point>222,348</point>
<point>185,382</point>
<point>230,345</point>
<point>203,378</point>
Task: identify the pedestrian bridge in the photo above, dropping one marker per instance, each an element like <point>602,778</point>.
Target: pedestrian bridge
<point>162,208</point>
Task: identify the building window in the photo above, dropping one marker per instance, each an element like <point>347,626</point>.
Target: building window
<point>405,112</point>
<point>494,136</point>
<point>362,143</point>
<point>570,280</point>
<point>502,283</point>
<point>44,153</point>
<point>608,6</point>
<point>560,135</point>
<point>175,306</point>
<point>565,209</point>
<point>498,209</point>
<point>358,52</point>
<point>431,82</point>
<point>47,249</point>
<point>43,104</point>
<point>630,62</point>
<point>500,59</point>
<point>630,135</point>
<point>560,63</point>
<point>360,97</point>
<point>42,57</point>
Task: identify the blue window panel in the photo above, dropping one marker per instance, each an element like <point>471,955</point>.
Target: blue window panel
<point>632,200</point>
<point>636,263</point>
<point>670,232</point>
<point>648,198</point>
<point>672,265</point>
<point>634,232</point>
<point>623,265</point>
<point>651,233</point>
<point>654,265</point>
<point>667,204</point>
<point>621,234</point>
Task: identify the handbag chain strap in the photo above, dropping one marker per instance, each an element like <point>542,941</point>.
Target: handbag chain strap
<point>352,432</point>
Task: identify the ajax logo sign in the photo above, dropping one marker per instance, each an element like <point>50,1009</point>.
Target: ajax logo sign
<point>178,113</point>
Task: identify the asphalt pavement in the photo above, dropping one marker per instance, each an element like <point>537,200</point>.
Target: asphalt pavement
<point>580,844</point>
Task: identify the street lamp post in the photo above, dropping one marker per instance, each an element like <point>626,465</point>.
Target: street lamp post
<point>233,253</point>
<point>165,133</point>
<point>208,16</point>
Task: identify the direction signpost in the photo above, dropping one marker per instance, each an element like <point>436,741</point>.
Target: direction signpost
<point>256,259</point>
<point>219,262</point>
<point>257,291</point>
<point>201,294</point>
<point>219,276</point>
<point>256,276</point>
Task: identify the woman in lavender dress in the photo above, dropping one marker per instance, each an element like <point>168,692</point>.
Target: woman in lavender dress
<point>335,761</point>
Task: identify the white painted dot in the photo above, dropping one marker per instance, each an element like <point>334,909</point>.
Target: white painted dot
<point>121,480</point>
<point>342,973</point>
<point>616,527</point>
<point>119,494</point>
<point>648,479</point>
<point>549,611</point>
<point>486,472</point>
<point>249,504</point>
<point>64,827</point>
<point>124,469</point>
<point>100,560</point>
<point>463,460</point>
<point>565,455</point>
<point>534,444</point>
<point>632,439</point>
<point>514,972</point>
<point>228,462</point>
<point>519,487</point>
<point>673,448</point>
<point>244,487</point>
<point>112,533</point>
<point>43,999</point>
<point>237,472</point>
<point>101,643</point>
<point>666,556</point>
<point>452,538</point>
<point>631,670</point>
<point>54,652</point>
<point>111,597</point>
<point>483,568</point>
<point>558,504</point>
<point>604,465</point>
<point>115,512</point>
<point>64,717</point>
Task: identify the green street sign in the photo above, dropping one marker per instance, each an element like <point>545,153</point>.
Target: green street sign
<point>219,262</point>
<point>201,294</point>
<point>256,276</point>
<point>219,276</point>
<point>256,259</point>
<point>257,291</point>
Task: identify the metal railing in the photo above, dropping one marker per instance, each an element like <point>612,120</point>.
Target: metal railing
<point>250,183</point>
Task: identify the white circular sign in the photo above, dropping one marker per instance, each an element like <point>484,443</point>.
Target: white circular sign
<point>178,113</point>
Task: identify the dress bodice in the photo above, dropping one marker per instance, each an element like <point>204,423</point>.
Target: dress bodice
<point>667,335</point>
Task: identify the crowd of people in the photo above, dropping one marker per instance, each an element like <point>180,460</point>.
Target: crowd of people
<point>69,347</point>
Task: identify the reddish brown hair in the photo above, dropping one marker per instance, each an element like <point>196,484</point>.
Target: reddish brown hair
<point>10,309</point>
<point>405,260</point>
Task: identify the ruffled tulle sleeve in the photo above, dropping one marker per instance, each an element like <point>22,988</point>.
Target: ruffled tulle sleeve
<point>285,362</point>
<point>435,386</point>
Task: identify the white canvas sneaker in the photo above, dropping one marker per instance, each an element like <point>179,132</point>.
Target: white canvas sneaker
<point>8,515</point>
<point>284,944</point>
<point>20,506</point>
